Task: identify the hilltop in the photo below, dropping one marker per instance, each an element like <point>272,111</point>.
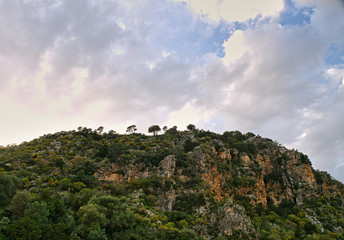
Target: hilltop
<point>194,184</point>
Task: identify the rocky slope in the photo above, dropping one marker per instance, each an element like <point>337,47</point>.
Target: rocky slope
<point>183,185</point>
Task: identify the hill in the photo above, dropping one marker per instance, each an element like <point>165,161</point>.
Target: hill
<point>195,184</point>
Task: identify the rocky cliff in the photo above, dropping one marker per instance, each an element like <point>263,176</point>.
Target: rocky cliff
<point>265,175</point>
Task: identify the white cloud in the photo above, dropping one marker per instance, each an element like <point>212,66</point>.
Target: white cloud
<point>114,64</point>
<point>184,116</point>
<point>234,47</point>
<point>282,88</point>
<point>90,59</point>
<point>327,18</point>
<point>232,10</point>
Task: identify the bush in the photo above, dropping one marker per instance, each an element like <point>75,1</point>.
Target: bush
<point>274,176</point>
<point>189,202</point>
<point>189,145</point>
<point>304,159</point>
<point>115,150</point>
<point>319,178</point>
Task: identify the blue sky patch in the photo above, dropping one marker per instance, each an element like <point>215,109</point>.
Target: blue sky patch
<point>335,55</point>
<point>189,38</point>
<point>295,16</point>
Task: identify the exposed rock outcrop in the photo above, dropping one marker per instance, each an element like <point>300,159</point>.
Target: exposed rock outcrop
<point>268,177</point>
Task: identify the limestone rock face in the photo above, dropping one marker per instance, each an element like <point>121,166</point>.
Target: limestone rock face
<point>245,159</point>
<point>235,219</point>
<point>230,218</point>
<point>167,200</point>
<point>266,177</point>
<point>124,173</point>
<point>168,166</point>
<point>270,176</point>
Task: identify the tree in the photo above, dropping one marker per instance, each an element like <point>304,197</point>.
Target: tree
<point>172,130</point>
<point>23,229</point>
<point>115,150</point>
<point>8,187</point>
<point>38,211</point>
<point>91,214</point>
<point>191,127</point>
<point>164,129</point>
<point>112,132</point>
<point>189,145</point>
<point>100,130</point>
<point>4,222</point>
<point>131,129</point>
<point>154,129</point>
<point>19,204</point>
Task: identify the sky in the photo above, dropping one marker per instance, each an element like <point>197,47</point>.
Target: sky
<point>271,67</point>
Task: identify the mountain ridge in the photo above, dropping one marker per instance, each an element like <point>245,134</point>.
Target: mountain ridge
<point>191,184</point>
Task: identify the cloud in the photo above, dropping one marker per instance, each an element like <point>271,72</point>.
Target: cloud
<point>273,80</point>
<point>186,115</point>
<point>91,59</point>
<point>235,11</point>
<point>118,63</point>
<point>324,134</point>
<point>234,47</point>
<point>282,87</point>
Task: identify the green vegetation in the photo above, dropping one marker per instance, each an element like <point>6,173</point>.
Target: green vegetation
<point>155,129</point>
<point>193,184</point>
